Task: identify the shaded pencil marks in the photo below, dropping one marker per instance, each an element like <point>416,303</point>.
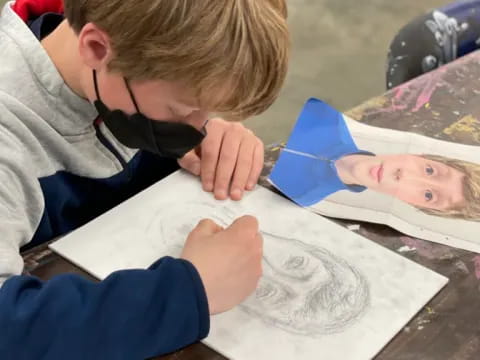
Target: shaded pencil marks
<point>305,290</point>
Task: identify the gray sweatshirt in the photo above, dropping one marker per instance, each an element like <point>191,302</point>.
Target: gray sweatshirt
<point>59,168</point>
<point>48,143</point>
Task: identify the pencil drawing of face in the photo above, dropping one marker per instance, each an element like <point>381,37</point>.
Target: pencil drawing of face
<point>305,289</point>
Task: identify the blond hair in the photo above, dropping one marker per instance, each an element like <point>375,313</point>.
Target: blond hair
<point>233,53</point>
<point>470,209</point>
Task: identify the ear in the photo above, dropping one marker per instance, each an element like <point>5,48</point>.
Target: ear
<point>94,46</point>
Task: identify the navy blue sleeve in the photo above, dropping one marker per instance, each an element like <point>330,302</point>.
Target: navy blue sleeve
<point>133,314</point>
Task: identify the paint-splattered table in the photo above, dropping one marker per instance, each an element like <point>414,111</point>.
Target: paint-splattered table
<point>444,104</point>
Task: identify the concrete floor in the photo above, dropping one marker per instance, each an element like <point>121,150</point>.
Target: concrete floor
<point>339,52</point>
<point>339,55</point>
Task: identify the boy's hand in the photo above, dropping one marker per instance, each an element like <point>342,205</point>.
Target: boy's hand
<point>229,261</point>
<point>229,160</point>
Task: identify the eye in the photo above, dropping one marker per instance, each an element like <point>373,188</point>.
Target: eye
<point>296,263</point>
<point>273,294</point>
<point>429,170</point>
<point>265,291</point>
<point>428,195</point>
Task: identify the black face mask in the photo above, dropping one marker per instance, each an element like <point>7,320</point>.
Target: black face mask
<point>169,139</point>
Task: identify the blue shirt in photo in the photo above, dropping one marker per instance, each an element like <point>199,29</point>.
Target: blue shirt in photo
<point>305,171</point>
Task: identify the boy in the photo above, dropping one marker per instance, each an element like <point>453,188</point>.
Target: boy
<point>98,100</point>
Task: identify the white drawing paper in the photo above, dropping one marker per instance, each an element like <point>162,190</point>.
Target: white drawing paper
<point>420,186</point>
<point>326,292</point>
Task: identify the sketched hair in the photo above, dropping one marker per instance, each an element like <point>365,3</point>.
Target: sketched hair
<point>470,210</point>
<point>172,224</point>
<point>331,306</point>
<point>344,298</point>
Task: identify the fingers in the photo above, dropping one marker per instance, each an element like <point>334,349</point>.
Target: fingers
<point>247,228</point>
<point>232,160</point>
<point>243,167</point>
<point>257,165</point>
<point>191,162</point>
<point>210,151</point>
<point>246,225</point>
<point>207,227</point>
<point>227,162</point>
<point>259,241</point>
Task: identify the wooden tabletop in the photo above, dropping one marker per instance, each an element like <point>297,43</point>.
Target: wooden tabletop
<point>444,104</point>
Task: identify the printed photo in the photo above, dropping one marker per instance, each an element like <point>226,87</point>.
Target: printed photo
<point>342,168</point>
